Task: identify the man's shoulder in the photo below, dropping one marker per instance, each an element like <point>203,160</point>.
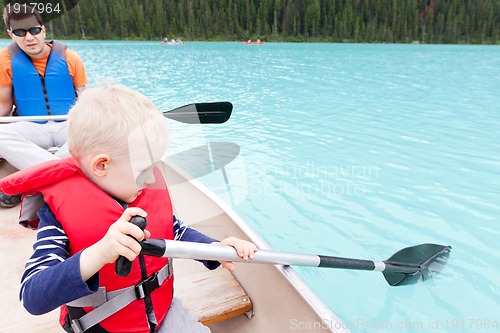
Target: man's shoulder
<point>5,59</point>
<point>4,53</point>
<point>71,53</point>
<point>5,49</point>
<point>76,67</point>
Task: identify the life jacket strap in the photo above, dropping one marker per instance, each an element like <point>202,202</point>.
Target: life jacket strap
<point>107,303</point>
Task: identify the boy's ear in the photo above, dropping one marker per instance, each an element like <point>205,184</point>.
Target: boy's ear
<point>99,165</point>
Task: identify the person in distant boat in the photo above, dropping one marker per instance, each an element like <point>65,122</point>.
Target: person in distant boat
<point>258,40</point>
<point>111,176</point>
<point>36,78</point>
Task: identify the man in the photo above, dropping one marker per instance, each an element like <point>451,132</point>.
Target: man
<point>36,78</point>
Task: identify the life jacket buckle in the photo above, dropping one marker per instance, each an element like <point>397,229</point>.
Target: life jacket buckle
<point>145,287</point>
<point>75,325</point>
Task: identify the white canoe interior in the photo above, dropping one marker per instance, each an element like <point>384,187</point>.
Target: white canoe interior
<point>255,298</point>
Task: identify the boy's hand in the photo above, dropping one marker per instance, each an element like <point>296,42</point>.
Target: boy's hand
<point>244,249</point>
<point>117,242</point>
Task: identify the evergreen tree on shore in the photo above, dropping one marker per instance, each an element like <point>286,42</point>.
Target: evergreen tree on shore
<point>371,21</point>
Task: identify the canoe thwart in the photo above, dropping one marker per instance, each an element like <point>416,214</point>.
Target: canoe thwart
<point>210,296</point>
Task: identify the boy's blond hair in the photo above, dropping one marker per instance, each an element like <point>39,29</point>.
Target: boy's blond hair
<point>110,118</point>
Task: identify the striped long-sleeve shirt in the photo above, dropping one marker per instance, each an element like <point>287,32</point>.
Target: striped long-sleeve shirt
<point>51,278</point>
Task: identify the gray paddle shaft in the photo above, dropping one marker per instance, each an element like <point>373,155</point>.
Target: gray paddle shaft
<point>187,250</point>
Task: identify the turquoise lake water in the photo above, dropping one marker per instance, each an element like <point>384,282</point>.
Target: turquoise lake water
<point>349,150</point>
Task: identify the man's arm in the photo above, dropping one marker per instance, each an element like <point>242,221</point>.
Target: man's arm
<point>77,71</point>
<point>5,101</point>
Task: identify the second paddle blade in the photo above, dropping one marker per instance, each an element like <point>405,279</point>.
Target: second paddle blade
<point>202,113</point>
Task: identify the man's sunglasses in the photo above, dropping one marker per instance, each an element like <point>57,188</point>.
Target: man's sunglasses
<point>22,32</point>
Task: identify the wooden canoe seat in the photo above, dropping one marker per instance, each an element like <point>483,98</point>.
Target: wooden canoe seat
<point>210,296</point>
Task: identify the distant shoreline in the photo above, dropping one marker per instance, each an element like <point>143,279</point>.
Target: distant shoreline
<point>6,37</point>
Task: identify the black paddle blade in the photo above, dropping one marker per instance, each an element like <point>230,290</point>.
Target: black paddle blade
<point>416,263</point>
<point>202,113</point>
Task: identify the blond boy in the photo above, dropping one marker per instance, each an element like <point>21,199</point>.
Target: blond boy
<point>116,136</point>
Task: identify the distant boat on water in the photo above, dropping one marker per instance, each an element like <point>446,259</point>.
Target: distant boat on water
<point>165,41</point>
<point>258,42</point>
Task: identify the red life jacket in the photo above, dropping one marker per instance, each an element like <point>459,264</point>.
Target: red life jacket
<point>86,212</point>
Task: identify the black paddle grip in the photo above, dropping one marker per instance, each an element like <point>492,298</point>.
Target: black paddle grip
<point>123,266</point>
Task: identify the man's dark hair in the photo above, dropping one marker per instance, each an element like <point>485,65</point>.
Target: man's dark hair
<point>15,13</point>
